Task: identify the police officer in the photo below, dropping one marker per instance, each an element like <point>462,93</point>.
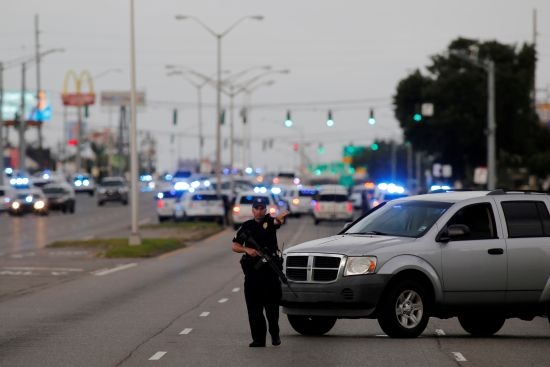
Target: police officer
<point>262,287</point>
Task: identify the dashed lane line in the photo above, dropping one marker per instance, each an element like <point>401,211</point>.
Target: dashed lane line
<point>204,314</point>
<point>157,356</point>
<point>185,331</point>
<point>223,300</point>
<point>39,268</point>
<point>102,272</point>
<point>459,357</point>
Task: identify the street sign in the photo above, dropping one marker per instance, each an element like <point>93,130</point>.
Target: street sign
<point>121,98</point>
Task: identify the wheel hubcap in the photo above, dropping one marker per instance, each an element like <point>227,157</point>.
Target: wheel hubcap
<point>409,309</point>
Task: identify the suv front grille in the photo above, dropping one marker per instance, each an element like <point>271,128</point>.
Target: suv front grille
<point>313,268</point>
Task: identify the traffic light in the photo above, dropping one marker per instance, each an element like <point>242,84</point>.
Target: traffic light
<point>417,117</point>
<point>295,147</point>
<point>330,121</point>
<point>175,117</point>
<point>374,147</point>
<point>222,117</point>
<point>372,120</point>
<point>320,148</point>
<point>288,121</point>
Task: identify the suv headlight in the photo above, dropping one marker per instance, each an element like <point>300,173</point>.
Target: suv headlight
<point>360,265</point>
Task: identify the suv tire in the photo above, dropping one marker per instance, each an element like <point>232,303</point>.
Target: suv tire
<point>404,310</point>
<point>481,324</point>
<point>311,325</point>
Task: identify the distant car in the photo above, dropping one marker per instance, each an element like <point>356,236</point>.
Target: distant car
<point>60,196</point>
<point>28,201</point>
<point>41,178</point>
<point>332,204</point>
<point>166,204</point>
<point>6,193</point>
<point>203,205</point>
<point>300,200</point>
<point>386,192</point>
<point>112,189</point>
<point>242,209</point>
<point>83,182</point>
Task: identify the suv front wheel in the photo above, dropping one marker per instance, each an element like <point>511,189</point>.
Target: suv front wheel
<point>403,312</point>
<point>311,325</point>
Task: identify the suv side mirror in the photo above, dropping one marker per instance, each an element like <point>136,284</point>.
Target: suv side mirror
<point>452,232</point>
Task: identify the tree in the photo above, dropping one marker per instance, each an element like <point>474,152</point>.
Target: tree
<point>455,134</point>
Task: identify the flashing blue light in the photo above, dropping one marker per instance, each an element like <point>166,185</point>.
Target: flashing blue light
<point>440,187</point>
<point>276,190</point>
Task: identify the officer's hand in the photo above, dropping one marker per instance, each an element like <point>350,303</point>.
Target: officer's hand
<point>252,252</point>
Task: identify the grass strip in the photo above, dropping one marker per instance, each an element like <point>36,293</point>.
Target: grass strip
<point>119,247</point>
<point>162,238</point>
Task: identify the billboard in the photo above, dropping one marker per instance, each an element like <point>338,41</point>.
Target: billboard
<point>40,110</point>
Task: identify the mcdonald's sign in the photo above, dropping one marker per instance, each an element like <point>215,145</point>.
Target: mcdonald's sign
<point>78,97</point>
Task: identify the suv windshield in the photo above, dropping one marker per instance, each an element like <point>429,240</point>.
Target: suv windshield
<point>406,219</point>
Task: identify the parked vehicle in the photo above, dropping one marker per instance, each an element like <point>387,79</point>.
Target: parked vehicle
<point>167,201</point>
<point>203,205</point>
<point>112,189</point>
<point>300,200</point>
<point>60,196</point>
<point>481,256</point>
<point>332,204</point>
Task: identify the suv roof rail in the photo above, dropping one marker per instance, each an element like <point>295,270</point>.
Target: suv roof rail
<point>508,191</point>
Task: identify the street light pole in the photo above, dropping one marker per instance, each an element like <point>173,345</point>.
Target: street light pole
<point>135,238</point>
<point>489,66</point>
<point>491,125</point>
<point>22,119</point>
<point>198,87</point>
<point>219,37</point>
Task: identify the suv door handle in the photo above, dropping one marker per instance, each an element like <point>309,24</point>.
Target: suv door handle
<point>495,251</point>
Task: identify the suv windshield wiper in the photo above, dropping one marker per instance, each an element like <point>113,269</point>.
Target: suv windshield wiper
<point>371,232</point>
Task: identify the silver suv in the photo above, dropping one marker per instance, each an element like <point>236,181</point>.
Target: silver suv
<point>482,256</point>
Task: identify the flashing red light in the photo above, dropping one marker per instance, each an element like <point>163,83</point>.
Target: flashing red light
<point>72,142</point>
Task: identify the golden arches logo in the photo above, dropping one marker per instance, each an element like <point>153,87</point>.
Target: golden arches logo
<point>78,97</point>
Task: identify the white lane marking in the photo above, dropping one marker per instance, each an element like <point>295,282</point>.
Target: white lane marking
<point>102,272</point>
<point>20,256</point>
<point>38,268</point>
<point>459,357</point>
<point>235,290</point>
<point>185,331</point>
<point>439,332</point>
<point>157,356</point>
<point>67,253</point>
<point>11,272</point>
<point>87,238</point>
<point>382,335</point>
<point>223,300</point>
<point>204,314</point>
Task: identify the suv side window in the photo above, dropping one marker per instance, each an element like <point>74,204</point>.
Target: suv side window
<point>526,219</point>
<point>480,220</point>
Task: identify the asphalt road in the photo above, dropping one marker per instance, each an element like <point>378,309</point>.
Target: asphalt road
<point>187,309</point>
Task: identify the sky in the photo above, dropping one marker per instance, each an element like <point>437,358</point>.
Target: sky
<point>345,56</point>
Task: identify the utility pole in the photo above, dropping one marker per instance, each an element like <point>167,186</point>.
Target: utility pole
<point>535,34</point>
<point>38,88</point>
<point>22,120</point>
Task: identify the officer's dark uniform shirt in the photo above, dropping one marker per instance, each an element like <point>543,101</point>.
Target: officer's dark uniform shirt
<point>265,235</point>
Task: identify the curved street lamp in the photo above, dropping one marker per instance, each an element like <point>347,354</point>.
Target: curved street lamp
<point>219,37</point>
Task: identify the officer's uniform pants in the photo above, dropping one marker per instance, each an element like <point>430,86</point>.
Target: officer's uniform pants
<point>262,296</point>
